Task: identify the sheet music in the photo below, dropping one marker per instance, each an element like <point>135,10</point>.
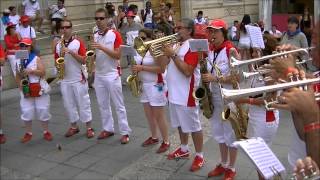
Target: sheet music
<point>197,45</point>
<point>22,54</point>
<point>262,156</point>
<point>255,35</point>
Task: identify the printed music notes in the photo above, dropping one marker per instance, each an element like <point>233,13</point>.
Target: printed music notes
<point>255,35</point>
<point>262,157</point>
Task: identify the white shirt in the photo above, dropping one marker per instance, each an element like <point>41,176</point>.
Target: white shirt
<point>145,76</point>
<point>1,31</point>
<point>33,65</point>
<point>27,32</point>
<point>201,21</point>
<point>15,19</point>
<point>180,87</point>
<point>148,17</point>
<point>106,65</point>
<point>73,71</point>
<point>233,32</point>
<point>278,33</point>
<point>58,13</point>
<point>137,19</point>
<point>244,41</point>
<point>30,8</point>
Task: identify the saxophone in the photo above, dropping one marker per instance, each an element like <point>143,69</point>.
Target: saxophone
<point>203,93</point>
<point>133,82</point>
<point>90,54</point>
<point>24,79</point>
<point>60,60</point>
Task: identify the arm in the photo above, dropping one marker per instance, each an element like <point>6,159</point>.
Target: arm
<point>186,68</point>
<point>40,71</point>
<point>115,53</point>
<point>80,56</point>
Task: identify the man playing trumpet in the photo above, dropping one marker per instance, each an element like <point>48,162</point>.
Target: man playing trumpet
<point>74,85</point>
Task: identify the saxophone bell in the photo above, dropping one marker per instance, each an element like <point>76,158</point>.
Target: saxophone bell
<point>90,53</point>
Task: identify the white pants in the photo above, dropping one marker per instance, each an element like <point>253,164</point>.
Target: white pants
<point>13,63</point>
<point>35,107</point>
<point>110,87</point>
<point>257,125</point>
<point>152,95</point>
<point>75,95</point>
<point>185,117</point>
<point>222,130</point>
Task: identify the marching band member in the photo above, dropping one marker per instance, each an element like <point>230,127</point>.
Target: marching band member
<point>153,94</point>
<point>221,50</point>
<point>74,85</point>
<point>107,80</point>
<point>34,101</point>
<point>183,75</point>
<point>2,60</point>
<point>12,39</point>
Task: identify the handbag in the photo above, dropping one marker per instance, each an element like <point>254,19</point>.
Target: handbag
<point>35,89</point>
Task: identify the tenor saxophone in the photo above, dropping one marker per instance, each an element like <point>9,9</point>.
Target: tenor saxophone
<point>203,93</point>
<point>90,54</point>
<point>134,82</point>
<point>24,79</point>
<point>60,61</point>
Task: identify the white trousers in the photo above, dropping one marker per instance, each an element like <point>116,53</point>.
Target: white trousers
<point>35,107</point>
<point>13,63</point>
<point>110,87</point>
<point>76,101</point>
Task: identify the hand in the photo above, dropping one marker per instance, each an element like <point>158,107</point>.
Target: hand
<point>96,45</point>
<point>65,50</point>
<point>136,68</point>
<point>28,71</point>
<point>168,50</point>
<point>208,78</point>
<point>280,65</point>
<point>306,166</point>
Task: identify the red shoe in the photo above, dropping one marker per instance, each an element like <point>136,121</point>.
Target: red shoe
<point>2,138</point>
<point>47,136</point>
<point>217,171</point>
<point>105,134</point>
<point>229,175</point>
<point>150,141</point>
<point>197,163</point>
<point>178,153</point>
<point>163,148</point>
<point>26,138</point>
<point>72,131</point>
<point>90,133</point>
<point>124,139</point>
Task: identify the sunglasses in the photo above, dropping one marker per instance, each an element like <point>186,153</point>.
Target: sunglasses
<point>23,45</point>
<point>65,27</point>
<point>99,18</point>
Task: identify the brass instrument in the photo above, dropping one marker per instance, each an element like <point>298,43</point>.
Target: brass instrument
<point>24,82</point>
<point>134,82</point>
<point>60,61</point>
<point>154,45</point>
<point>90,54</point>
<point>203,93</point>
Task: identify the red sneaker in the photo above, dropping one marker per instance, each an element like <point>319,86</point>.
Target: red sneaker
<point>150,141</point>
<point>2,138</point>
<point>178,153</point>
<point>26,138</point>
<point>105,134</point>
<point>217,171</point>
<point>72,131</point>
<point>47,136</point>
<point>229,175</point>
<point>163,148</point>
<point>197,163</point>
<point>124,139</point>
<point>90,133</point>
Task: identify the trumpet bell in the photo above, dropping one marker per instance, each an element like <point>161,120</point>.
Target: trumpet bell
<point>90,53</point>
<point>60,60</point>
<point>140,46</point>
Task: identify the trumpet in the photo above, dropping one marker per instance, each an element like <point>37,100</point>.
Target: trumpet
<point>237,63</point>
<point>154,45</point>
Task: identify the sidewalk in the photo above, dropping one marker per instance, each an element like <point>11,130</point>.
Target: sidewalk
<point>81,158</point>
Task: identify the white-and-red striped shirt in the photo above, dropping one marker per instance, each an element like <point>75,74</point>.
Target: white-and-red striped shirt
<point>180,87</point>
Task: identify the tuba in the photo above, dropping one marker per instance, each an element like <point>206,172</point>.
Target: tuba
<point>154,45</point>
<point>60,61</point>
<point>90,53</point>
<point>203,93</point>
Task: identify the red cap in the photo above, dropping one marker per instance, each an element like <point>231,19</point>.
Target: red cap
<point>24,18</point>
<point>130,14</point>
<point>10,24</point>
<point>217,24</point>
<point>26,41</point>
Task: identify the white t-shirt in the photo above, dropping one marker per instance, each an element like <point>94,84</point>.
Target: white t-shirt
<point>201,21</point>
<point>244,41</point>
<point>73,71</point>
<point>58,13</point>
<point>14,19</point>
<point>278,33</point>
<point>145,76</point>
<point>233,32</point>
<point>1,31</point>
<point>27,32</point>
<point>106,65</point>
<point>180,87</point>
<point>30,8</point>
<point>137,19</point>
<point>148,17</point>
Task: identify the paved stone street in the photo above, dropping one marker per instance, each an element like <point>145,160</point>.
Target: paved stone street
<point>81,158</point>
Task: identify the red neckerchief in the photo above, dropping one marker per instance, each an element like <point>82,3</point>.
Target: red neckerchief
<point>102,33</point>
<point>226,44</point>
<point>66,43</point>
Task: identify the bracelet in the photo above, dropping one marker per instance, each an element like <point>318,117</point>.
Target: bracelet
<point>311,127</point>
<point>290,70</point>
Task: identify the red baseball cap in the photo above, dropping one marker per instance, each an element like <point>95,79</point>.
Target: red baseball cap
<point>130,14</point>
<point>10,24</point>
<point>24,18</point>
<point>26,41</point>
<point>217,24</point>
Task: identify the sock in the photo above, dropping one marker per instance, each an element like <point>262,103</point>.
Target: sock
<point>232,168</point>
<point>200,154</point>
<point>1,132</point>
<point>166,142</point>
<point>184,148</point>
<point>224,164</point>
<point>29,133</point>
